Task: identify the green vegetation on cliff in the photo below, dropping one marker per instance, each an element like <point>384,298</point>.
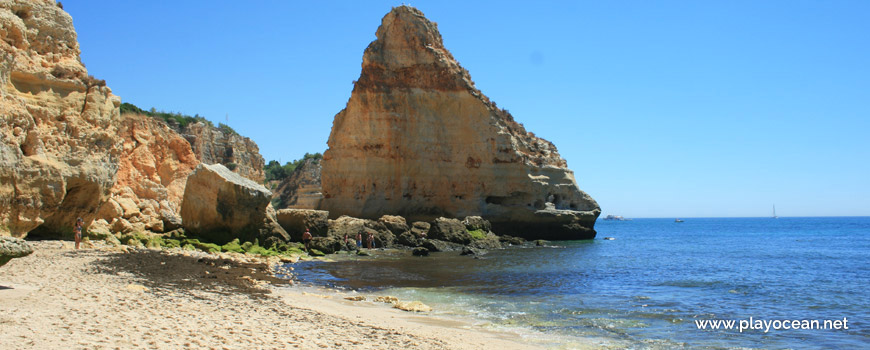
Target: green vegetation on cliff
<point>277,172</point>
<point>182,120</point>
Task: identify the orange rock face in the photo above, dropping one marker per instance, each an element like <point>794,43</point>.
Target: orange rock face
<point>418,139</point>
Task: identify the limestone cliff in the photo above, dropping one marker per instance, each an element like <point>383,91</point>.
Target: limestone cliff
<point>154,166</point>
<point>418,139</point>
<point>59,148</point>
<point>301,190</point>
<point>214,146</point>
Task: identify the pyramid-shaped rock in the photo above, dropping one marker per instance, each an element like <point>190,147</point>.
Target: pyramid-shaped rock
<point>418,139</point>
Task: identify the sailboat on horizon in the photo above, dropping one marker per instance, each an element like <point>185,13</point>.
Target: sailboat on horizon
<point>774,212</point>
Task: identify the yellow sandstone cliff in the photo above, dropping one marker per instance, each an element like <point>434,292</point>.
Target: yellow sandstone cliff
<point>418,139</point>
<point>59,148</point>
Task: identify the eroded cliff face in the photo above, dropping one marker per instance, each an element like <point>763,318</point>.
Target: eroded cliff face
<point>301,190</point>
<point>418,139</point>
<point>238,153</point>
<point>59,148</point>
<point>154,165</point>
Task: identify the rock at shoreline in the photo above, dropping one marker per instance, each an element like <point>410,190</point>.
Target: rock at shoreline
<point>435,245</point>
<point>396,224</point>
<point>221,205</point>
<point>450,230</point>
<point>295,221</point>
<point>418,139</point>
<point>413,306</point>
<point>59,147</point>
<point>11,248</point>
<point>473,223</point>
<point>420,251</point>
<point>472,251</point>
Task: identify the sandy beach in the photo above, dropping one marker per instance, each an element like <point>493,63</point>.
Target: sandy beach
<point>109,298</point>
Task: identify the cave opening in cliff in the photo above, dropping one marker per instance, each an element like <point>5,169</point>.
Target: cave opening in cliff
<point>80,200</point>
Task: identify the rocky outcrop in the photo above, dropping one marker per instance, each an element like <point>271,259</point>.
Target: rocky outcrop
<point>220,205</point>
<point>295,221</point>
<point>154,166</point>
<point>215,146</point>
<point>59,147</point>
<point>450,230</point>
<point>301,190</point>
<point>11,248</point>
<point>418,139</point>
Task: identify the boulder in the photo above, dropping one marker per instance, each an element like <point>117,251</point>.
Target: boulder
<point>171,220</point>
<point>413,306</point>
<point>450,230</point>
<point>420,229</point>
<point>472,251</point>
<point>328,245</point>
<point>511,240</point>
<point>220,205</point>
<point>396,224</point>
<point>295,221</point>
<point>271,233</point>
<point>434,245</point>
<point>473,223</point>
<point>409,239</point>
<point>420,251</point>
<point>11,248</point>
<point>491,241</point>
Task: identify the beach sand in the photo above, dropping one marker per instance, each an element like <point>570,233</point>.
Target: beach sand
<point>60,298</point>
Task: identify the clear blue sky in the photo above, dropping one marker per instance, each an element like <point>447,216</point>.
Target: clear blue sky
<point>661,108</point>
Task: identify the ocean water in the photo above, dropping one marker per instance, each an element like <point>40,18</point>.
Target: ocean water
<point>646,288</point>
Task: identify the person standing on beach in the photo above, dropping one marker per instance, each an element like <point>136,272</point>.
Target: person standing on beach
<point>77,231</point>
<point>371,241</point>
<point>306,239</point>
<point>358,240</point>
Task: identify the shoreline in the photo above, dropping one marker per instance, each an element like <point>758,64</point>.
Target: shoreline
<point>104,297</point>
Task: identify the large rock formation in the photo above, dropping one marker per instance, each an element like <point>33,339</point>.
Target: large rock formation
<point>418,139</point>
<point>155,164</point>
<point>221,205</point>
<point>301,190</point>
<point>215,146</point>
<point>59,148</point>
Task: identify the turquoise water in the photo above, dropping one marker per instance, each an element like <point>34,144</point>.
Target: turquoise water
<point>646,288</point>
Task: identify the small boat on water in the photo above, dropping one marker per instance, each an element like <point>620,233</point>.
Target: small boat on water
<point>678,220</point>
<point>774,212</point>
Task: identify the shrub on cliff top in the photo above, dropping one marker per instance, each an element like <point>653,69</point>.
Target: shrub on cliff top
<point>277,172</point>
<point>181,119</point>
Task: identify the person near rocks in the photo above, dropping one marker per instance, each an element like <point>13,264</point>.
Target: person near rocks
<point>359,239</point>
<point>306,239</point>
<point>371,240</point>
<point>77,231</point>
